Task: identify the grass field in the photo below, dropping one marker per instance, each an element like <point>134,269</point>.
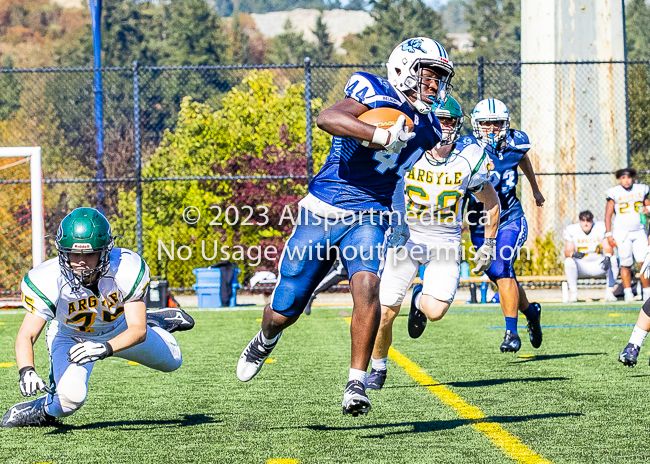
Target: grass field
<point>571,402</point>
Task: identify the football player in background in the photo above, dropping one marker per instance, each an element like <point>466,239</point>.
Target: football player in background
<point>434,192</point>
<point>588,254</point>
<point>92,296</point>
<point>507,149</point>
<point>629,202</point>
<point>356,179</point>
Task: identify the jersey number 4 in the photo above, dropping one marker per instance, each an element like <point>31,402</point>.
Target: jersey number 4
<point>389,161</point>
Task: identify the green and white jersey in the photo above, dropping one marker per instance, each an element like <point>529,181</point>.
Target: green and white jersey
<point>627,206</point>
<point>435,192</point>
<point>47,294</point>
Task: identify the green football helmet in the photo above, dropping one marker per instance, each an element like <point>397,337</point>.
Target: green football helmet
<point>84,230</point>
<point>451,109</point>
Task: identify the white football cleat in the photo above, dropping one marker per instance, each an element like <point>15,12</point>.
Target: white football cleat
<point>253,357</point>
<point>573,297</point>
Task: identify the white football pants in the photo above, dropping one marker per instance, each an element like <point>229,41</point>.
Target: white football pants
<point>579,268</point>
<point>69,381</point>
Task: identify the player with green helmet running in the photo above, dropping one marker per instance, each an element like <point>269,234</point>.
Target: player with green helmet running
<point>92,297</point>
<point>451,120</point>
<point>434,191</point>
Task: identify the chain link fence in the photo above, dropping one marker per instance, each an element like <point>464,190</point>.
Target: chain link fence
<point>165,152</point>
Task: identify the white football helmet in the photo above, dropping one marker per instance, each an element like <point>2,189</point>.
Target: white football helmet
<point>404,65</point>
<point>490,109</point>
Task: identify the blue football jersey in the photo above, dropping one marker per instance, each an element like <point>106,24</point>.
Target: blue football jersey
<point>359,178</point>
<point>503,176</point>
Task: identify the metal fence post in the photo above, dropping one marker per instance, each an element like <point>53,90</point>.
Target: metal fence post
<point>138,168</point>
<point>479,79</point>
<point>96,14</point>
<point>308,129</point>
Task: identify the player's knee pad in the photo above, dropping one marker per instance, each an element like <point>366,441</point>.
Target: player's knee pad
<point>570,263</point>
<point>171,364</point>
<point>289,299</point>
<point>388,297</point>
<point>71,399</point>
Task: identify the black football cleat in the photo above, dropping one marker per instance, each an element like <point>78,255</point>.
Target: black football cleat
<point>629,354</point>
<point>252,358</point>
<point>375,379</point>
<point>28,414</point>
<point>417,319</point>
<point>355,400</point>
<point>170,319</point>
<point>511,342</point>
<point>534,327</point>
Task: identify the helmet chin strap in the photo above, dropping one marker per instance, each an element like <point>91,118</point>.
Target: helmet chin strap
<point>421,107</point>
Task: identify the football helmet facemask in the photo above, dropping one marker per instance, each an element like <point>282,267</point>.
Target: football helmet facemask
<point>85,231</point>
<point>490,110</point>
<point>405,71</point>
<point>451,110</point>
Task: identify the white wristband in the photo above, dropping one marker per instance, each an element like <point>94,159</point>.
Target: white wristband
<point>379,137</point>
<point>608,234</point>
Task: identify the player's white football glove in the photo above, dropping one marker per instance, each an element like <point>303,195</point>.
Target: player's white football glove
<point>86,351</point>
<point>645,269</point>
<point>393,139</point>
<point>30,382</point>
<point>399,235</point>
<point>484,255</point>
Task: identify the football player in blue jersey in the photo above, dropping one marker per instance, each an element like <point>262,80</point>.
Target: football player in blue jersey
<point>349,199</point>
<point>507,149</point>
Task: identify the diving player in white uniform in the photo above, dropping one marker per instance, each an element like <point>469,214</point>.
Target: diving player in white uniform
<point>92,296</point>
<point>434,191</point>
<point>629,202</point>
<point>588,254</point>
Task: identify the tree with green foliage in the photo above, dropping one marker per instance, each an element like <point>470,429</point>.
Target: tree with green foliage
<point>192,34</point>
<point>356,5</point>
<point>637,18</point>
<point>324,51</point>
<point>227,7</point>
<point>495,26</point>
<point>453,16</point>
<point>395,21</point>
<point>259,129</point>
<point>289,47</point>
<point>10,88</point>
<point>181,32</point>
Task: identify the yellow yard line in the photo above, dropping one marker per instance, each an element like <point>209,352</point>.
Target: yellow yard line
<point>503,440</point>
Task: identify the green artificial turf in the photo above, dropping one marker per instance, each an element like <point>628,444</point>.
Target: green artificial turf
<point>571,403</point>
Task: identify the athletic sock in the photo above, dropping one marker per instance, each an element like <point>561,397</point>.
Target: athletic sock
<point>628,291</point>
<point>646,293</point>
<point>357,374</point>
<point>530,312</point>
<point>379,364</point>
<point>637,337</point>
<point>511,324</point>
<point>269,341</point>
<point>417,300</point>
